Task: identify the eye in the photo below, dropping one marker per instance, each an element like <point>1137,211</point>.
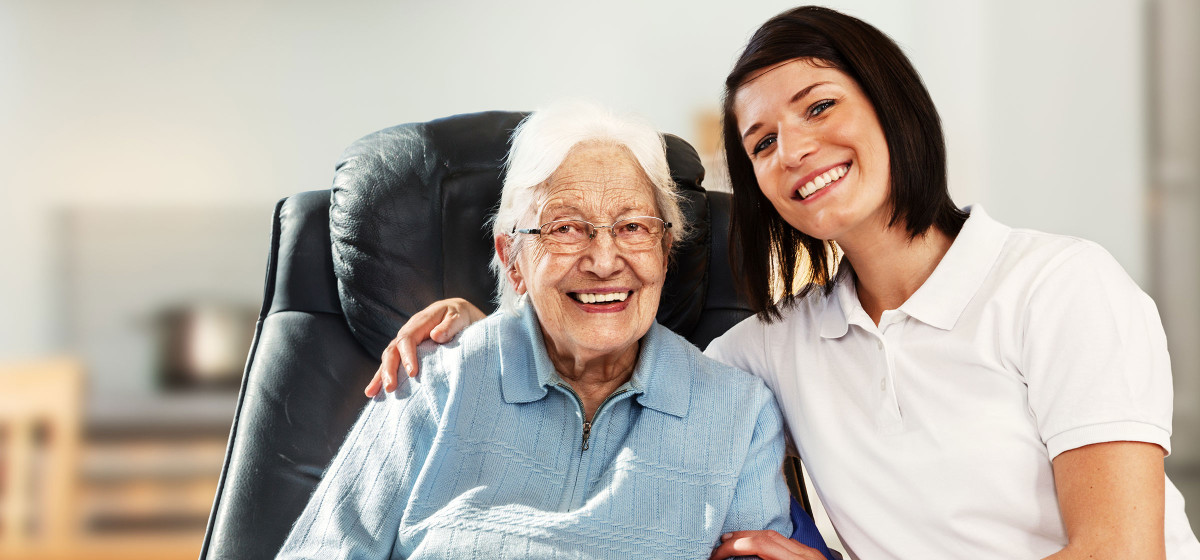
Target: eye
<point>567,229</point>
<point>819,107</point>
<point>632,227</point>
<point>763,144</point>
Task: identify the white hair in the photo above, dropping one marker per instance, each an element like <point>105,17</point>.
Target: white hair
<point>540,145</point>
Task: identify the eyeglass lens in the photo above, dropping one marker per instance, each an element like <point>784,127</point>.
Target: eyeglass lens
<point>569,236</point>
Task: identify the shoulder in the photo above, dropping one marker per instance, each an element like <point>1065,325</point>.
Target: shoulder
<point>1060,266</point>
<point>471,351</point>
<point>748,344</point>
<point>1047,256</point>
<point>715,381</point>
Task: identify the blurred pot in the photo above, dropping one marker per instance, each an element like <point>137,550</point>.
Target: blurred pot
<point>203,345</point>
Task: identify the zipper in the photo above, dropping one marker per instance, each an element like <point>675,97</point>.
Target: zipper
<point>587,431</point>
<point>587,426</point>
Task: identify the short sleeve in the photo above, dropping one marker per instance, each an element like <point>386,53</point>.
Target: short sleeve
<point>1094,355</point>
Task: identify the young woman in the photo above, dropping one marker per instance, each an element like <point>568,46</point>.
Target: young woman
<point>956,388</point>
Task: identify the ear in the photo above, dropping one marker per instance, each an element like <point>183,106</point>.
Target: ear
<point>511,268</point>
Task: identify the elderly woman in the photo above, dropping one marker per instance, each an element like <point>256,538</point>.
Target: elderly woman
<point>569,423</point>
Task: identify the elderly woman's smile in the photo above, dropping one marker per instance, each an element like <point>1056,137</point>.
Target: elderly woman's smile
<point>594,304</point>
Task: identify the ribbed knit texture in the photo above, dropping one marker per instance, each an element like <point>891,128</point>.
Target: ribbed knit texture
<point>482,457</point>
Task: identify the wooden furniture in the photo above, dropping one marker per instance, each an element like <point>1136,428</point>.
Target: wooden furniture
<point>40,407</point>
<point>124,495</point>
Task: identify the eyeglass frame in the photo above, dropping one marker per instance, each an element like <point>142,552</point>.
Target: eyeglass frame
<point>594,230</point>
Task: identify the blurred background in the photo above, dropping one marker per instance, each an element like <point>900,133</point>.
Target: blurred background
<point>143,146</point>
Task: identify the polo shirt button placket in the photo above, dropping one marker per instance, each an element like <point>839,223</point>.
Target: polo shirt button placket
<point>882,380</point>
<point>891,422</point>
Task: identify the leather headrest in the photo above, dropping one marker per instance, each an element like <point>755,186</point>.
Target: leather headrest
<point>407,220</point>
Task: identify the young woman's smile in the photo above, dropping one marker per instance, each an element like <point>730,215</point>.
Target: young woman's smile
<point>817,148</point>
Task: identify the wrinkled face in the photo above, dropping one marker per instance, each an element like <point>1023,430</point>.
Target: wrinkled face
<point>817,148</point>
<point>601,300</point>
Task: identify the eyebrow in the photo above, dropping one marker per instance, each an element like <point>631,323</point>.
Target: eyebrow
<point>799,95</point>
<point>558,208</point>
<point>574,210</point>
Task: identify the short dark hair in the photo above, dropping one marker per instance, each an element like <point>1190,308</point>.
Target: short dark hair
<point>767,249</point>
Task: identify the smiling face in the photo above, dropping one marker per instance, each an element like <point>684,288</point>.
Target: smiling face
<point>817,149</point>
<point>600,183</point>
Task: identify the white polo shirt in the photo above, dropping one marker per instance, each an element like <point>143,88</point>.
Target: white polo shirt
<point>931,435</point>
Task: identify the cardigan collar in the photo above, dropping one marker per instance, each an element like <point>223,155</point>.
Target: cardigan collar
<point>660,378</point>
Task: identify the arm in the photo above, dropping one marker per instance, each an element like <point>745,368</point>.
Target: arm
<point>1095,360</point>
<point>439,322</point>
<point>356,510</point>
<point>768,545</point>
<point>760,499</point>
<point>1111,496</point>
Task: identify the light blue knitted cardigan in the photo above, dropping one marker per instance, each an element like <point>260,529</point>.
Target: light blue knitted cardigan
<point>485,456</point>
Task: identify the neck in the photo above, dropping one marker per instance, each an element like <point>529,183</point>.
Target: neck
<point>593,377</point>
<point>889,268</point>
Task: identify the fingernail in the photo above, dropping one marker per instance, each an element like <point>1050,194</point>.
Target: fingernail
<point>726,536</point>
<point>408,368</point>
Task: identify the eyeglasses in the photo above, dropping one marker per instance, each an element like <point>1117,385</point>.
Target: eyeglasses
<point>572,236</point>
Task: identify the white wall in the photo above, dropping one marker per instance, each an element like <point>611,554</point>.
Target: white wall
<point>205,104</point>
<point>183,104</point>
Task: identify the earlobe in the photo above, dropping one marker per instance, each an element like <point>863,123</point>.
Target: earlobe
<point>504,252</point>
<point>518,282</point>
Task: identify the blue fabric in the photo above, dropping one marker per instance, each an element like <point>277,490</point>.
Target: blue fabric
<point>805,531</point>
<point>483,456</point>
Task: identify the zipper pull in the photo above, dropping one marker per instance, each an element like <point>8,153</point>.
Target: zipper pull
<point>587,431</point>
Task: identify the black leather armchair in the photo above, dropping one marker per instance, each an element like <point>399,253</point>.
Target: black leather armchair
<point>401,227</point>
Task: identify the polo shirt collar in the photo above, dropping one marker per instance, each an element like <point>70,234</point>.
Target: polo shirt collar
<point>660,379</point>
<point>945,294</point>
<point>835,317</point>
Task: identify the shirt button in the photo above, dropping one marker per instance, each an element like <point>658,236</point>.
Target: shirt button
<point>879,344</point>
<point>883,384</point>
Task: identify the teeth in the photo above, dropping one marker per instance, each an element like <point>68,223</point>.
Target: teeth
<point>601,298</point>
<point>822,180</point>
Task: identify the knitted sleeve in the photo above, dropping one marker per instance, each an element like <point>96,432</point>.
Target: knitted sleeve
<point>356,510</point>
<point>760,500</point>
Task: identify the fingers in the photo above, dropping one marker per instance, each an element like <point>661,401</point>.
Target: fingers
<point>457,315</point>
<point>440,322</point>
<point>768,545</point>
<point>403,349</point>
<point>387,366</point>
<point>375,385</point>
<point>449,319</point>
<point>408,356</point>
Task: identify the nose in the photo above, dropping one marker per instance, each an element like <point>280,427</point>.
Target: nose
<point>795,143</point>
<point>602,257</point>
